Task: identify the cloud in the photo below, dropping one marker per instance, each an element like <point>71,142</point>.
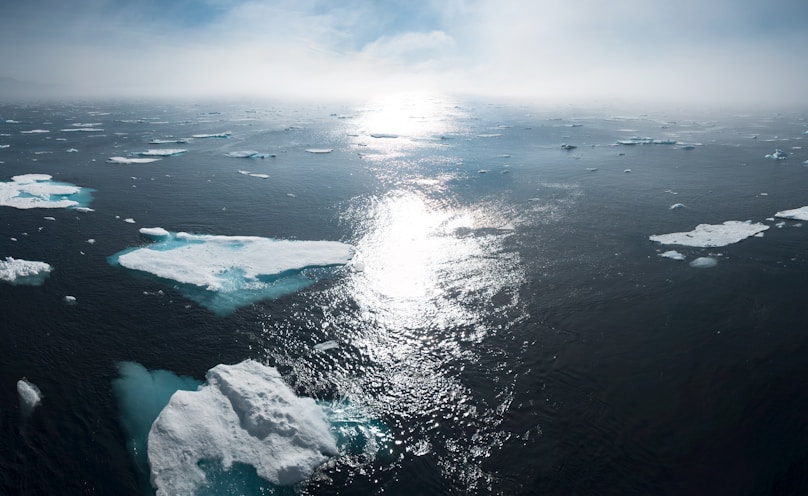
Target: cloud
<point>730,51</point>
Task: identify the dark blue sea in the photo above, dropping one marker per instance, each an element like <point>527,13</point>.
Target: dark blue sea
<point>507,319</point>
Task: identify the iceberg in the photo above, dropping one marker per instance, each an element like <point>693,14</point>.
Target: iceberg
<point>795,214</point>
<point>167,152</point>
<point>126,160</point>
<point>777,155</point>
<point>712,235</point>
<point>227,272</point>
<point>24,272</point>
<point>39,191</point>
<point>245,414</point>
<point>30,395</point>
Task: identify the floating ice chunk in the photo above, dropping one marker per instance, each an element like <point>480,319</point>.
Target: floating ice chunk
<point>568,147</point>
<point>672,254</point>
<point>676,206</point>
<point>795,214</point>
<point>154,232</point>
<point>178,141</point>
<point>249,154</point>
<point>127,160</point>
<point>129,220</point>
<point>627,170</point>
<point>30,395</point>
<point>489,135</point>
<point>326,345</point>
<point>71,150</point>
<point>4,146</point>
<point>712,235</point>
<point>777,155</point>
<point>24,272</point>
<point>319,150</point>
<point>245,413</point>
<point>224,135</point>
<point>167,152</point>
<point>81,129</point>
<point>35,131</point>
<point>91,241</point>
<point>70,300</point>
<point>38,191</point>
<point>226,272</point>
<point>704,262</point>
<point>253,174</point>
<point>383,135</point>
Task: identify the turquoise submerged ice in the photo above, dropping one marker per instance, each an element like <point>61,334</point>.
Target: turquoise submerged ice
<point>40,191</point>
<point>224,273</point>
<point>243,431</point>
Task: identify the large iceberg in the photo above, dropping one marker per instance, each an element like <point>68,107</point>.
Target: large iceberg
<point>712,235</point>
<point>24,272</point>
<point>40,191</point>
<point>242,429</point>
<point>795,214</point>
<point>227,272</point>
<point>246,414</point>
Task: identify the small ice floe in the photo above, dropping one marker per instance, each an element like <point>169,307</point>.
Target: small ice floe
<point>795,214</point>
<point>484,171</point>
<point>672,254</point>
<point>704,262</point>
<point>84,209</point>
<point>39,191</point>
<point>70,300</point>
<point>91,241</point>
<point>154,232</point>
<point>676,206</point>
<point>81,130</point>
<point>565,146</point>
<point>30,396</point>
<point>224,135</point>
<point>326,345</point>
<point>244,414</point>
<point>24,272</point>
<point>712,235</point>
<point>591,169</point>
<point>489,135</point>
<point>49,218</point>
<point>4,146</point>
<point>253,174</point>
<point>71,150</point>
<point>777,155</point>
<point>178,141</point>
<point>129,220</point>
<point>127,160</point>
<point>626,170</point>
<point>319,150</point>
<point>249,154</point>
<point>167,152</point>
<point>291,195</point>
<point>35,131</point>
<point>383,135</point>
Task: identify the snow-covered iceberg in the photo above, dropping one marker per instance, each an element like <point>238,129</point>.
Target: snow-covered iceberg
<point>24,272</point>
<point>30,395</point>
<point>227,272</point>
<point>246,414</point>
<point>712,235</point>
<point>795,214</point>
<point>40,191</point>
<point>244,427</point>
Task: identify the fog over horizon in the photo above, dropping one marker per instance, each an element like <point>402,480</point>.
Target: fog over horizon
<point>746,53</point>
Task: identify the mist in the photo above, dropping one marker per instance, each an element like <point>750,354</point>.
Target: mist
<point>625,51</point>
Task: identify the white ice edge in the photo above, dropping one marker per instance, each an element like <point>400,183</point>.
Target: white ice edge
<point>712,235</point>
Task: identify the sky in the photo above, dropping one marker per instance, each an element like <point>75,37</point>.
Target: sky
<point>724,51</point>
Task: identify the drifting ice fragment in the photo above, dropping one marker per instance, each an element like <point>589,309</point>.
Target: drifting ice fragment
<point>777,155</point>
<point>170,141</point>
<point>712,235</point>
<point>248,154</point>
<point>38,191</point>
<point>24,272</point>
<point>125,160</point>
<point>568,147</point>
<point>383,135</point>
<point>154,232</point>
<point>253,174</point>
<point>30,395</point>
<point>224,135</point>
<point>70,300</point>
<point>704,262</point>
<point>677,206</point>
<point>795,214</point>
<point>319,150</point>
<point>226,272</point>
<point>168,152</point>
<point>672,254</point>
<point>245,414</point>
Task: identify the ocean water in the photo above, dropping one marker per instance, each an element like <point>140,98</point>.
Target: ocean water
<point>505,321</point>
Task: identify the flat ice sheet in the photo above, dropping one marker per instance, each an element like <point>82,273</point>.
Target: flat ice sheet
<point>40,191</point>
<point>795,214</point>
<point>712,235</point>
<point>226,272</point>
<point>244,413</point>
